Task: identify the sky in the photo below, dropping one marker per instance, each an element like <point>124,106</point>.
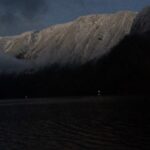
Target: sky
<point>17,16</point>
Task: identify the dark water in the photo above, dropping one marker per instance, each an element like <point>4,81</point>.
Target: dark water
<point>75,124</point>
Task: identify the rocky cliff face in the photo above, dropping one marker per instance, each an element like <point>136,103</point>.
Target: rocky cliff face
<point>78,41</point>
<point>141,23</point>
<point>126,69</point>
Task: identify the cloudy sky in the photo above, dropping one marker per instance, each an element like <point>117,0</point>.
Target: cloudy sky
<point>17,16</point>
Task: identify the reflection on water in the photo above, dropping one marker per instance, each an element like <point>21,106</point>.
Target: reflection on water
<point>92,125</point>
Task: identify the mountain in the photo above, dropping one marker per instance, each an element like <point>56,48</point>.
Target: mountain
<point>141,23</point>
<point>116,63</point>
<point>126,69</point>
<point>79,41</point>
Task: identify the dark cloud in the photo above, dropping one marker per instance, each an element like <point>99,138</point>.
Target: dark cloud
<point>20,15</point>
<point>26,8</point>
<point>17,16</point>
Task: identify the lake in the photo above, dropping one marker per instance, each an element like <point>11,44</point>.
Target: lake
<point>75,123</point>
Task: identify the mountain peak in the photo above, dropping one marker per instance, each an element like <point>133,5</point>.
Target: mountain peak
<point>81,40</point>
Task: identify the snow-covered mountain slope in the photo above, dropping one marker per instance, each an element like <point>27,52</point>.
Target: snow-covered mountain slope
<point>79,41</point>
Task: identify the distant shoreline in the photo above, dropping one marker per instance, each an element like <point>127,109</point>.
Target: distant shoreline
<point>75,99</point>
